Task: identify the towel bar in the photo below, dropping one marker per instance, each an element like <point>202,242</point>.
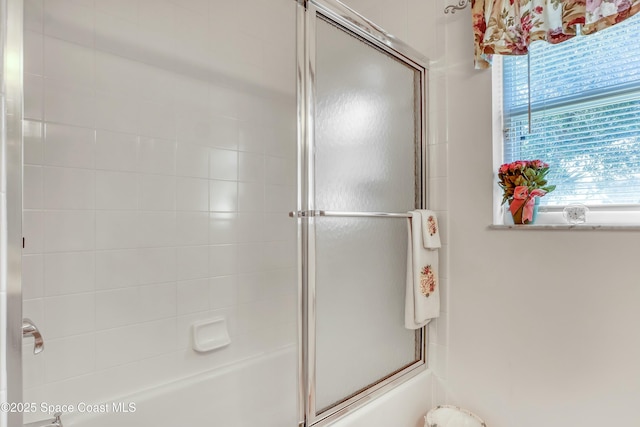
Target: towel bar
<point>306,214</point>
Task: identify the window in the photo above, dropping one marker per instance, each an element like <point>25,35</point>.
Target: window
<point>577,107</point>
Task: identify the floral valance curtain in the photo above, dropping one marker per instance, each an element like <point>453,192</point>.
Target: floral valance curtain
<point>507,27</point>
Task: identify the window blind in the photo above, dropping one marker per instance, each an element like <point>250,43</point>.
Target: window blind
<point>585,114</point>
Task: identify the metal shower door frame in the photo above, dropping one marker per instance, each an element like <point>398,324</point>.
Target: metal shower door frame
<point>12,113</point>
<point>358,26</point>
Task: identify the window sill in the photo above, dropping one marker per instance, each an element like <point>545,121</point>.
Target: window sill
<point>579,227</point>
<point>551,218</point>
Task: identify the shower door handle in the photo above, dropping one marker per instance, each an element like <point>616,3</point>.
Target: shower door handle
<point>29,329</point>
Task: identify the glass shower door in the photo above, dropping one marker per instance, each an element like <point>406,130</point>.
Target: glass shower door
<point>364,165</point>
<point>364,162</point>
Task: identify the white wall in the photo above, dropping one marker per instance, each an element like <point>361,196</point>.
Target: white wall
<point>543,324</point>
<point>159,170</point>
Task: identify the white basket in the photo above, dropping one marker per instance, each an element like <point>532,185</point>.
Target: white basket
<point>452,416</point>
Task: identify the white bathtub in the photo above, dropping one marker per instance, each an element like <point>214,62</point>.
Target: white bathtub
<point>404,406</point>
<point>256,392</point>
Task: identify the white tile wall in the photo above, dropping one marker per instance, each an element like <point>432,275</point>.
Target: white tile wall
<point>145,174</point>
<point>69,146</point>
<point>68,273</point>
<point>33,142</point>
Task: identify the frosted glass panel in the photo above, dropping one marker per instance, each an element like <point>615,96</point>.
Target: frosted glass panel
<point>365,151</point>
<point>365,126</point>
<point>361,263</point>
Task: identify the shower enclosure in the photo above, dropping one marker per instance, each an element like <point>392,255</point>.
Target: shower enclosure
<point>361,168</point>
<point>152,169</point>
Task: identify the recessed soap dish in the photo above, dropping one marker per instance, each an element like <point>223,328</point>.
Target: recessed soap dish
<point>210,334</point>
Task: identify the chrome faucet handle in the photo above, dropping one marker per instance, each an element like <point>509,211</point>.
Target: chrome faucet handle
<point>56,420</point>
<point>29,329</point>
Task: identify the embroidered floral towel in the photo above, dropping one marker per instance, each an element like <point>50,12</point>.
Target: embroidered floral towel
<point>430,230</point>
<point>422,294</point>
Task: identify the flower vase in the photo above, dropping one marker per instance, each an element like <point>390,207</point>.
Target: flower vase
<point>517,216</point>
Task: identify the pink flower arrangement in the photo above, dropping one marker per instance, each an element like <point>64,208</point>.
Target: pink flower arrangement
<point>521,182</point>
<point>524,179</point>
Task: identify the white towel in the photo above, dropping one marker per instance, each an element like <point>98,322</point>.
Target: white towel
<point>430,229</point>
<point>422,294</point>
